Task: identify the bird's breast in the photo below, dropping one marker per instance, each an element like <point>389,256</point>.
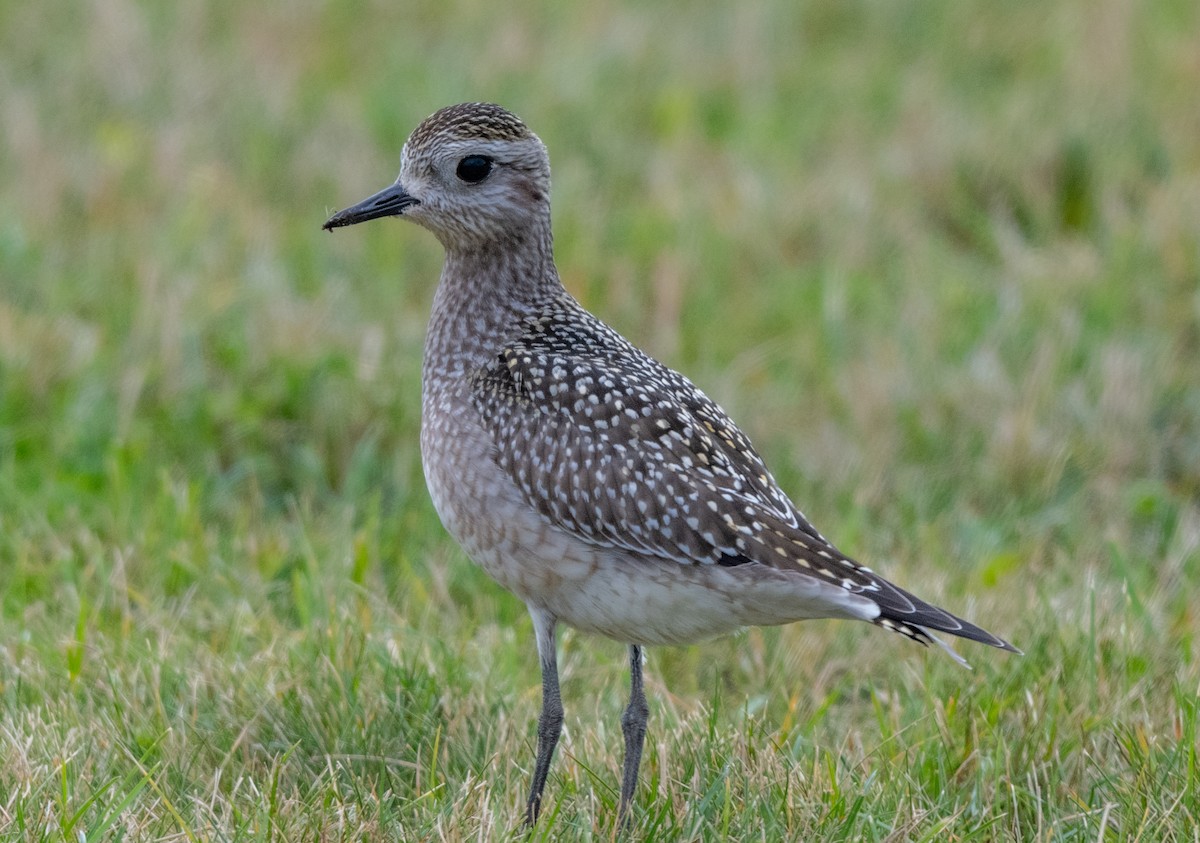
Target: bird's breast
<point>483,509</point>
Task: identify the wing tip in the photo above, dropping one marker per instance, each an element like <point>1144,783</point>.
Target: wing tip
<point>925,636</point>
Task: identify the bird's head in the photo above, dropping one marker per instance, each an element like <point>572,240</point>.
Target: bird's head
<point>472,174</point>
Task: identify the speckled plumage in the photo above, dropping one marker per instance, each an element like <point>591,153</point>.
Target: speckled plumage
<point>599,486</point>
<point>479,120</point>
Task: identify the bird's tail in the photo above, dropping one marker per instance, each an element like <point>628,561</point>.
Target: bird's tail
<point>926,619</point>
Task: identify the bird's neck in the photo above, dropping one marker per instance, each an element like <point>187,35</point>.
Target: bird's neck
<point>484,293</point>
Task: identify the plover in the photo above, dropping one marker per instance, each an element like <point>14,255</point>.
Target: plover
<point>602,488</point>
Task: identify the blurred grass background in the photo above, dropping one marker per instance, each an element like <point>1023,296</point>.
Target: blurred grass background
<point>941,260</point>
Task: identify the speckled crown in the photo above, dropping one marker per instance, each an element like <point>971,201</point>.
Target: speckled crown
<point>469,121</point>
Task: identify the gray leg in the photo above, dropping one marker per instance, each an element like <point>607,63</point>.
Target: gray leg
<point>633,724</point>
<point>551,719</point>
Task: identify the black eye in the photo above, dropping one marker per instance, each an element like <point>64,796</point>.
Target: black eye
<point>474,168</point>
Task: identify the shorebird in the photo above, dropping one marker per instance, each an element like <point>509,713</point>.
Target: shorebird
<point>600,487</point>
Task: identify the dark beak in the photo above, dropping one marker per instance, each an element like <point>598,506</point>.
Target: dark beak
<point>389,202</point>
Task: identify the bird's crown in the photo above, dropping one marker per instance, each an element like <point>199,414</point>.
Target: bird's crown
<point>469,121</point>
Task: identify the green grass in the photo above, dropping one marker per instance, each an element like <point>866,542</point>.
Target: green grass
<point>941,259</point>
